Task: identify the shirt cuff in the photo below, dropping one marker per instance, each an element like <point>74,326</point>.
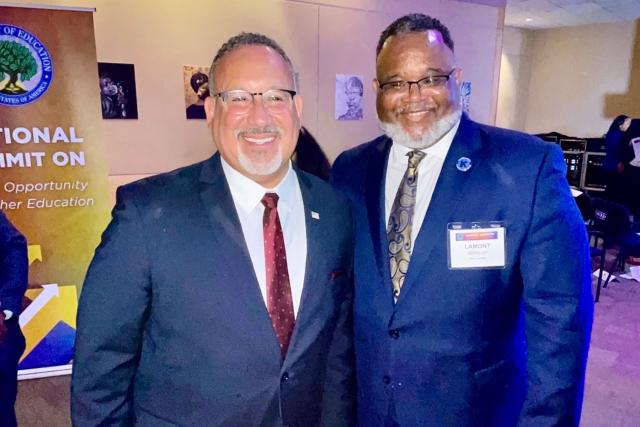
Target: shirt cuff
<point>8,314</point>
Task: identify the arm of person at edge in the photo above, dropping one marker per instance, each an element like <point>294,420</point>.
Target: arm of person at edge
<point>558,306</point>
<point>112,312</point>
<point>339,397</point>
<point>14,270</point>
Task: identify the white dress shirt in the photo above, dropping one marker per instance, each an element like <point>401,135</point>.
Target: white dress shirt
<point>247,196</point>
<point>428,172</point>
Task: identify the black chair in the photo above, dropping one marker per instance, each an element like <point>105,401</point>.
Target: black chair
<point>596,251</point>
<point>629,247</point>
<point>585,204</point>
<point>596,237</point>
<point>612,222</point>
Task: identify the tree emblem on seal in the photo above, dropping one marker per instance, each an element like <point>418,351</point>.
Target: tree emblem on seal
<point>18,63</point>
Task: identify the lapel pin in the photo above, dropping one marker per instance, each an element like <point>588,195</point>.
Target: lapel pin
<point>463,164</point>
<point>315,215</point>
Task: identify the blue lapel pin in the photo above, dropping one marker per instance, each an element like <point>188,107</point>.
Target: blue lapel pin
<point>463,164</point>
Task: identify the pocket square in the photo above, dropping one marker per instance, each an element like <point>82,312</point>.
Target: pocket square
<point>337,273</point>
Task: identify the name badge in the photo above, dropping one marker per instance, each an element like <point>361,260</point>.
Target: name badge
<point>476,245</point>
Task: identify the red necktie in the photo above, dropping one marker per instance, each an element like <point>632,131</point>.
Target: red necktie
<point>279,301</point>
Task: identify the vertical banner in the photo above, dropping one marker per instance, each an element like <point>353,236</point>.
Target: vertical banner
<point>53,172</point>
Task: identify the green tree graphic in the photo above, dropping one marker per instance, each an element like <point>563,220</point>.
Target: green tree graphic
<point>17,62</point>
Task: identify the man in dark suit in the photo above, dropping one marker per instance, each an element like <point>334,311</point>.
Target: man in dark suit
<point>13,282</point>
<point>221,292</point>
<point>472,281</point>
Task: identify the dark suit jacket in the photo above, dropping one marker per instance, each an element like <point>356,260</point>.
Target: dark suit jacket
<point>452,351</point>
<point>14,267</point>
<point>13,282</point>
<point>172,327</point>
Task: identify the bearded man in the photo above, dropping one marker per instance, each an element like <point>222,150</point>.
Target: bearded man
<point>221,292</point>
<point>472,275</point>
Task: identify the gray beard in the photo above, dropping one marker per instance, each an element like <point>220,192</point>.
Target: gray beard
<point>433,135</point>
<point>262,166</point>
<point>259,164</point>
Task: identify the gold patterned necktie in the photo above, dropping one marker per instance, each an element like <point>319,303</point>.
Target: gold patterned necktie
<point>400,220</point>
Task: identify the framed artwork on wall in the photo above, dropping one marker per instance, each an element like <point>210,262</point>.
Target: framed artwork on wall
<point>117,91</point>
<point>349,92</point>
<point>196,89</point>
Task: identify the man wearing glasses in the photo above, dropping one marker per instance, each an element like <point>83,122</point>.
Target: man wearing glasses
<point>221,292</point>
<point>473,292</point>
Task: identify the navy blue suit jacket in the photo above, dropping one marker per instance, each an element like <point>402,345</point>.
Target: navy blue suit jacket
<point>483,347</point>
<point>173,329</point>
<point>14,267</point>
<point>14,272</point>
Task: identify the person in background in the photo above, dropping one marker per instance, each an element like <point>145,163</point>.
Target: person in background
<point>472,273</point>
<point>309,157</point>
<point>613,165</point>
<point>14,269</point>
<point>630,165</point>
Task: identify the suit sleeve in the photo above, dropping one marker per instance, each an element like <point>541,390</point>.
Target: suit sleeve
<point>14,266</point>
<point>112,312</point>
<point>558,305</point>
<point>338,402</point>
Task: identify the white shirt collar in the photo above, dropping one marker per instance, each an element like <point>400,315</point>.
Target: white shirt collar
<point>438,150</point>
<point>247,194</point>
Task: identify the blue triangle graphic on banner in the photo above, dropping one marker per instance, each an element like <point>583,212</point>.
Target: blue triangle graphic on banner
<point>54,350</point>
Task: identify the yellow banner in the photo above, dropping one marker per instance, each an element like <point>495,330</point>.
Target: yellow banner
<point>53,172</point>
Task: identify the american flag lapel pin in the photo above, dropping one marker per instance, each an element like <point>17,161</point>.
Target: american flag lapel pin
<point>315,215</point>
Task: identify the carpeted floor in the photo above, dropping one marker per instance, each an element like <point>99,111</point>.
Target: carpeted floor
<point>612,397</point>
<point>43,402</point>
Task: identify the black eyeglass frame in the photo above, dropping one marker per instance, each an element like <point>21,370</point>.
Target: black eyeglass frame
<point>406,84</point>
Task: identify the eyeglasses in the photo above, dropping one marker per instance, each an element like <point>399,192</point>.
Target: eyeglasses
<point>241,101</point>
<point>403,86</point>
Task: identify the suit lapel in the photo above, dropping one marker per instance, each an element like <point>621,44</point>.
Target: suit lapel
<point>374,199</point>
<point>314,237</point>
<point>447,196</point>
<point>315,276</point>
<point>231,253</point>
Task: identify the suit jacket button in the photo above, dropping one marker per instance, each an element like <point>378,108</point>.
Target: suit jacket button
<point>386,379</point>
<point>285,377</point>
<point>394,334</point>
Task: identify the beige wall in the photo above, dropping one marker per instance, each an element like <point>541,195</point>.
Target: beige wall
<point>515,73</point>
<point>579,79</point>
<point>322,38</point>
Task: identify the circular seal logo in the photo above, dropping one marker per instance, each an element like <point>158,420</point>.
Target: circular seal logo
<point>26,69</point>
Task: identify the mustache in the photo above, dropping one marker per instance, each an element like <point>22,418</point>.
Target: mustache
<point>265,129</point>
<point>412,107</point>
